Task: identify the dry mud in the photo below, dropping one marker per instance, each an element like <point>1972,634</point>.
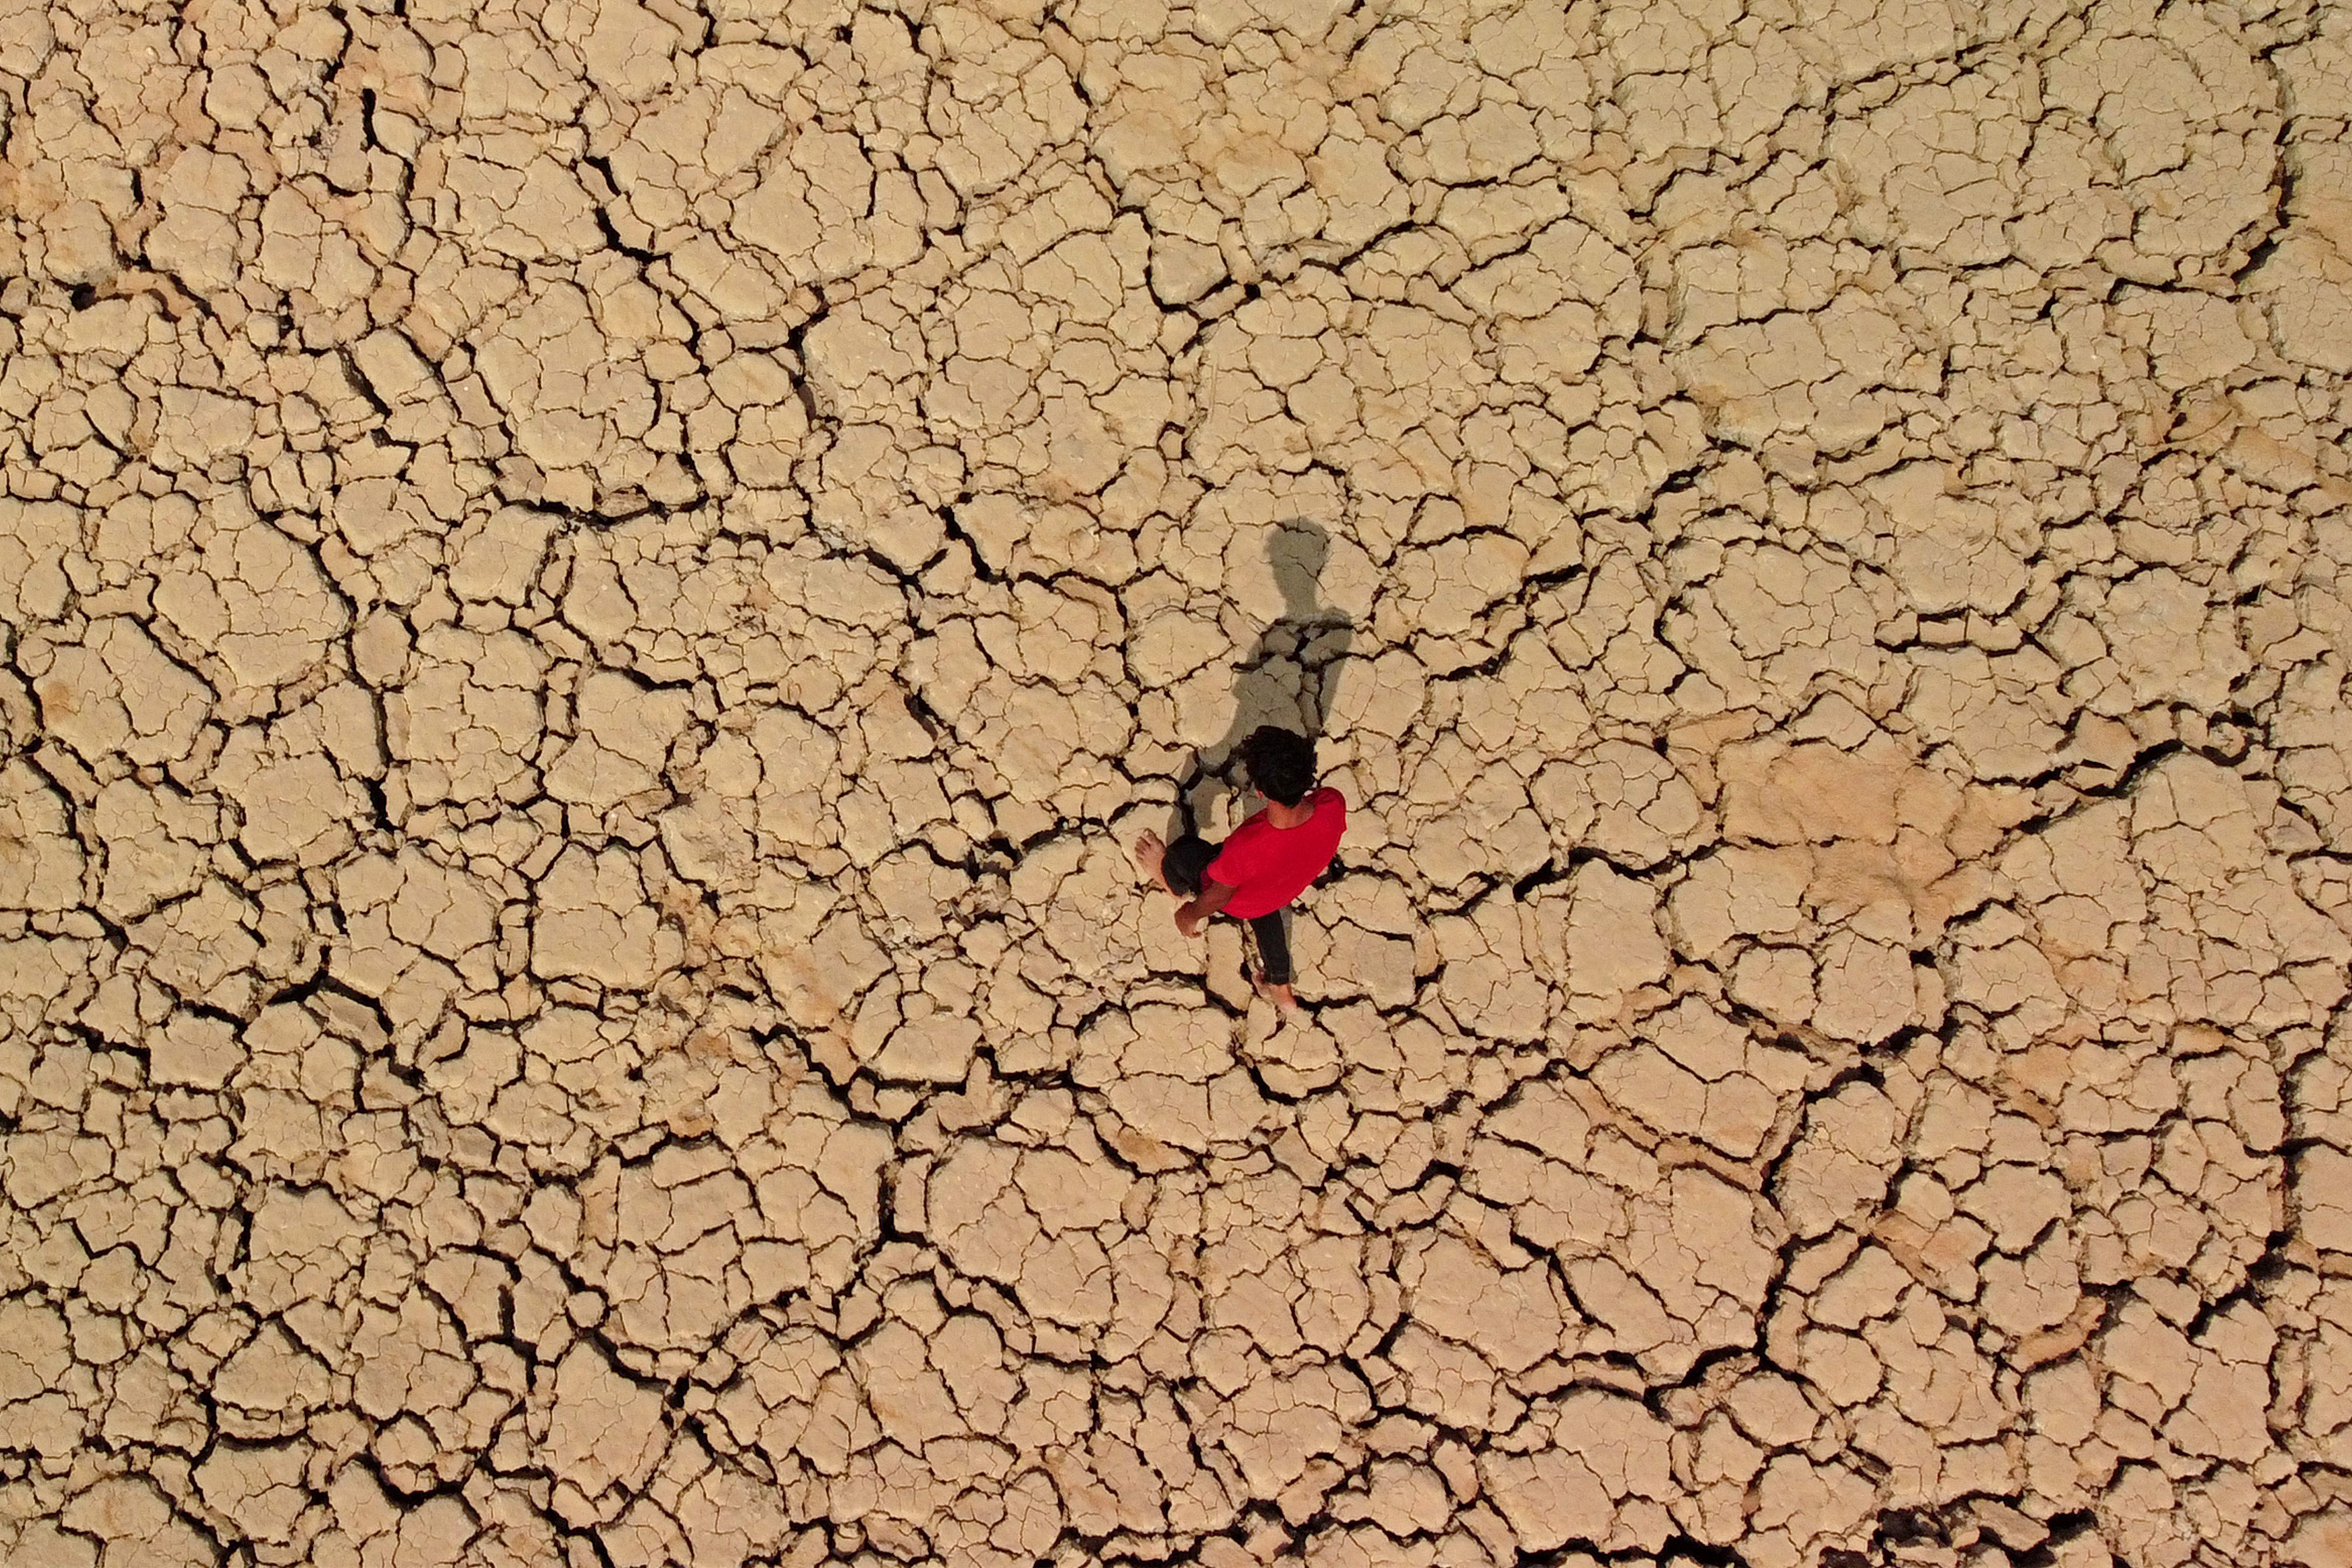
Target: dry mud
<point>589,590</point>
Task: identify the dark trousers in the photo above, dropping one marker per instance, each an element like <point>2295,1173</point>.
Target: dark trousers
<point>1186,865</point>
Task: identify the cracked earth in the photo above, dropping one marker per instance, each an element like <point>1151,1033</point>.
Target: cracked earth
<point>590,592</point>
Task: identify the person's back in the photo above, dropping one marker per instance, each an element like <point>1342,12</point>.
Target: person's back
<point>1268,866</point>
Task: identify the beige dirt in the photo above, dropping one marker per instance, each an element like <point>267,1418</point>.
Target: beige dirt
<point>594,590</point>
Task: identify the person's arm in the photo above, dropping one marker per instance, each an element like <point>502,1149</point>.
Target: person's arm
<point>1215,895</point>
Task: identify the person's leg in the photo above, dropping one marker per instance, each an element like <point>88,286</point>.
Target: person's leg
<point>1185,863</point>
<point>1177,867</point>
<point>1273,961</point>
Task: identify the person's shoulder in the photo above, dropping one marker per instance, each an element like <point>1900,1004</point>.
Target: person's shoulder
<point>1329,796</point>
<point>1254,827</point>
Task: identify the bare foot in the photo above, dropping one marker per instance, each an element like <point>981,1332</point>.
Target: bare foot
<point>1285,1001</point>
<point>1149,851</point>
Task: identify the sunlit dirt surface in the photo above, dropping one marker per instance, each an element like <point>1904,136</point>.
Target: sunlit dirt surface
<point>592,593</point>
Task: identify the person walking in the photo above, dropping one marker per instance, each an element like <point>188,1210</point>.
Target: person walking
<point>1271,858</point>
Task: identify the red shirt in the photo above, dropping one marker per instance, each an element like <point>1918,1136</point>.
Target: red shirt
<point>1268,866</point>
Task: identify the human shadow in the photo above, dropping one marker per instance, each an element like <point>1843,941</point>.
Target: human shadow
<point>1289,677</point>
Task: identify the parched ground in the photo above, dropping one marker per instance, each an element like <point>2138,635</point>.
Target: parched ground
<point>590,592</point>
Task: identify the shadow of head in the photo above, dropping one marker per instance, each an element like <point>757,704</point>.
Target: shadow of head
<point>1296,548</point>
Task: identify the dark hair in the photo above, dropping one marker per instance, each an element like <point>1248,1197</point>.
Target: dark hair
<point>1280,762</point>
